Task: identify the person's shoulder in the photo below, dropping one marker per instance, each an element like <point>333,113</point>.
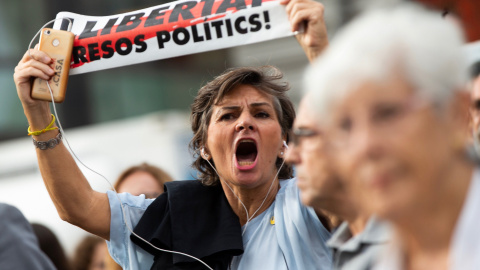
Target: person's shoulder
<point>288,189</point>
<point>6,207</point>
<point>127,199</point>
<point>288,182</point>
<point>12,220</point>
<point>7,210</point>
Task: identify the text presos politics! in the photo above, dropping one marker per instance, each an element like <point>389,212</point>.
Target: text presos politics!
<point>170,30</point>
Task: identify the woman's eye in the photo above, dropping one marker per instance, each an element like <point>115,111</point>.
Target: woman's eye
<point>227,116</point>
<point>263,115</point>
<point>387,112</point>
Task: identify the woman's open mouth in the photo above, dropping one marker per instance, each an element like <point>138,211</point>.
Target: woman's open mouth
<point>246,154</point>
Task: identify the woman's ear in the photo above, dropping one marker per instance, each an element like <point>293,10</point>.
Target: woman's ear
<point>205,155</point>
<point>283,148</point>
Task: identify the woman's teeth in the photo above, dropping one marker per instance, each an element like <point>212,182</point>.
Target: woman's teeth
<point>245,163</point>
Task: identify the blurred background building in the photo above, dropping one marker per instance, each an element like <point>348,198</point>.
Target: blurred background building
<point>119,117</point>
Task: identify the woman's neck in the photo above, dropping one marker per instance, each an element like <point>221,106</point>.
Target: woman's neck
<point>427,230</point>
<point>254,200</point>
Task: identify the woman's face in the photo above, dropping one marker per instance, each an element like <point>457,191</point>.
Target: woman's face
<point>392,147</point>
<point>141,182</point>
<point>245,137</point>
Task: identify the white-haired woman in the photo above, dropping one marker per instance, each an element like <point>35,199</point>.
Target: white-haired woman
<point>392,86</point>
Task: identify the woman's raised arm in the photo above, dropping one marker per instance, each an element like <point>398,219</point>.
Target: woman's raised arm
<point>76,202</point>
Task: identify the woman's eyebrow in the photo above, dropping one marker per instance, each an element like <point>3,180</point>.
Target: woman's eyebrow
<point>235,107</point>
<point>226,108</point>
<point>259,104</point>
<point>229,108</point>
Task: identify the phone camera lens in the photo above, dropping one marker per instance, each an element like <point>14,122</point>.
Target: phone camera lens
<point>47,32</point>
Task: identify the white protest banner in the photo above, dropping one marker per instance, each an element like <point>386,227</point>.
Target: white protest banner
<point>174,29</point>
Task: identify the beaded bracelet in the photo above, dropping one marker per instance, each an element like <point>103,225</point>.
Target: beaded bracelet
<point>48,128</point>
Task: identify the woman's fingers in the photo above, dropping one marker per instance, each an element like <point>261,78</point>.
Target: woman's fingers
<point>23,74</point>
<point>36,55</point>
<point>308,13</point>
<point>32,68</point>
<point>34,64</point>
<point>300,11</point>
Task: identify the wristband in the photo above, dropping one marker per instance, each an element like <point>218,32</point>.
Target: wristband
<point>48,128</point>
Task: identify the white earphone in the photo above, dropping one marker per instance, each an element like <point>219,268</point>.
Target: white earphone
<point>286,146</point>
<point>203,153</point>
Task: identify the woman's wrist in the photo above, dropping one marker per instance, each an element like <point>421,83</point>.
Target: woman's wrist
<point>38,118</point>
<point>51,126</point>
<point>314,51</point>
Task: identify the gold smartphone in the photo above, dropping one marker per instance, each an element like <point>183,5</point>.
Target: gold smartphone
<point>58,44</point>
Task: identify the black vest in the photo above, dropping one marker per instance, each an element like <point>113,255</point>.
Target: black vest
<point>194,219</point>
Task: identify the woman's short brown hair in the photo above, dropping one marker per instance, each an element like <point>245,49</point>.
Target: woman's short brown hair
<point>266,79</point>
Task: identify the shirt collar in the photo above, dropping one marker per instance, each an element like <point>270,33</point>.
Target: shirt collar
<point>340,236</point>
<point>375,232</point>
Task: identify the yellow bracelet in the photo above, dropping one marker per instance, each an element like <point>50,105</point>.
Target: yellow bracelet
<point>48,128</point>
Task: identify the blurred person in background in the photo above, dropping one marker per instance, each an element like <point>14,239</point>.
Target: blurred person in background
<point>392,86</point>
<point>241,120</point>
<point>19,247</point>
<point>142,179</point>
<point>90,254</point>
<point>110,263</point>
<point>50,245</point>
<point>474,86</point>
<point>356,242</point>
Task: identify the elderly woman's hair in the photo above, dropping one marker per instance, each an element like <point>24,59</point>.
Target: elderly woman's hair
<point>158,174</point>
<point>266,79</point>
<point>407,40</point>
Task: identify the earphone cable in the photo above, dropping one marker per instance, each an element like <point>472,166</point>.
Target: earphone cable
<point>249,218</point>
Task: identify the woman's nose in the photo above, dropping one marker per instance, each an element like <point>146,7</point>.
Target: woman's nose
<point>245,123</point>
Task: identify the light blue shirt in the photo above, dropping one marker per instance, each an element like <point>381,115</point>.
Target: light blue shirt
<point>121,248</point>
<point>296,240</point>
